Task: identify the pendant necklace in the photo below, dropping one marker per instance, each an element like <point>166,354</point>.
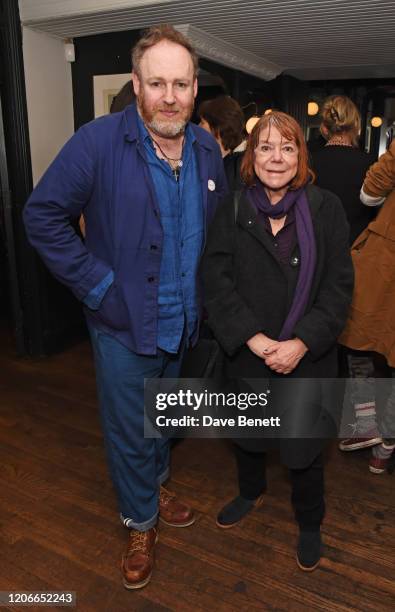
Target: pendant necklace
<point>175,164</point>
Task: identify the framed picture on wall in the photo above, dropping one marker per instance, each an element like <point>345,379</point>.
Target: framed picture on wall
<point>105,88</point>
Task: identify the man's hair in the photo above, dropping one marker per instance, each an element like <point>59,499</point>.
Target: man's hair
<point>289,128</point>
<point>225,118</point>
<point>156,34</point>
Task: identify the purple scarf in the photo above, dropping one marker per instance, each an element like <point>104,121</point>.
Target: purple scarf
<point>306,240</point>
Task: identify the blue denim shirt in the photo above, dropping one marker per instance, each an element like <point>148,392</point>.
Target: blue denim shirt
<point>181,214</point>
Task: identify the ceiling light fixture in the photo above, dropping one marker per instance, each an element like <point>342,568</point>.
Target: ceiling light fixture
<point>251,123</point>
<point>312,108</point>
<point>376,122</point>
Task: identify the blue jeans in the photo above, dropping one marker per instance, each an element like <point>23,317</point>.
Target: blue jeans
<point>137,465</point>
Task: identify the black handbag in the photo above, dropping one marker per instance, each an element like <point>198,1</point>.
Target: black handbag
<point>204,359</point>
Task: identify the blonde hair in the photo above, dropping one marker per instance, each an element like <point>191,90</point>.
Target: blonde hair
<point>340,115</point>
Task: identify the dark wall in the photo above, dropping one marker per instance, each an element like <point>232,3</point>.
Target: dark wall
<point>100,54</point>
<point>292,96</point>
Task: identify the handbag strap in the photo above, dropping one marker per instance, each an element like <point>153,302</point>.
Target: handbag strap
<point>236,202</point>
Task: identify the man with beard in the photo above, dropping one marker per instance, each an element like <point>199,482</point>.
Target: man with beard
<point>147,182</point>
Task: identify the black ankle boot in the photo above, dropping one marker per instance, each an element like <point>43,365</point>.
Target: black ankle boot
<point>308,554</point>
<point>235,510</point>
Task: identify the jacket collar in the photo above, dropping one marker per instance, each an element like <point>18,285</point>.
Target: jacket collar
<point>131,129</point>
<point>314,198</point>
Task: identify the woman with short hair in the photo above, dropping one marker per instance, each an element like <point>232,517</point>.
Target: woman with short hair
<point>278,283</point>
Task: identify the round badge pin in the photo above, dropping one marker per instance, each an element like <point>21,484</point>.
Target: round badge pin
<point>211,185</point>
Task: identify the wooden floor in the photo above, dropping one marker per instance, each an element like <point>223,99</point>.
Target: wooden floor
<point>59,527</point>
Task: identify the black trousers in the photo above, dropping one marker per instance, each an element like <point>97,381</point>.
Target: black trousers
<point>307,486</point>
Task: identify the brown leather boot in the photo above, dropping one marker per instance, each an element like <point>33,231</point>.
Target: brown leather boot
<point>138,561</point>
<point>173,512</point>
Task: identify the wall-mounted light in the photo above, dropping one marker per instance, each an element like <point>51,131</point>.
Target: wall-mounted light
<point>69,51</point>
<point>267,111</point>
<point>251,123</point>
<point>376,122</point>
<point>312,108</point>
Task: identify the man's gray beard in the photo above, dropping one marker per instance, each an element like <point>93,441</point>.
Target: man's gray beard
<point>166,130</point>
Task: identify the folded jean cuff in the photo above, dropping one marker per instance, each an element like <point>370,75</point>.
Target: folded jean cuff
<point>145,526</point>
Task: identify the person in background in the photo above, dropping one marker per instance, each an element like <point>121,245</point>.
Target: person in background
<point>316,144</point>
<point>340,166</point>
<point>371,323</point>
<point>124,97</point>
<point>278,282</point>
<point>147,181</point>
<point>224,118</point>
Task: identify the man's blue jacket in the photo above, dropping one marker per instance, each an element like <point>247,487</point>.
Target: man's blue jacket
<point>101,172</point>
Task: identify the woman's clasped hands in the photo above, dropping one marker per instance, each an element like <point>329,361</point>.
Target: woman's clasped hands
<point>280,356</point>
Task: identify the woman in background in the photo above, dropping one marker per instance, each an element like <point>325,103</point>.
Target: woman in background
<point>341,166</point>
<point>224,118</point>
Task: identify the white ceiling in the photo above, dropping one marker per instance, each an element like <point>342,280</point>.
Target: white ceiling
<point>310,39</point>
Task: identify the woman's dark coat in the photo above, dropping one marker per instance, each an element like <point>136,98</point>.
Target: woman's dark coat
<point>247,290</point>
